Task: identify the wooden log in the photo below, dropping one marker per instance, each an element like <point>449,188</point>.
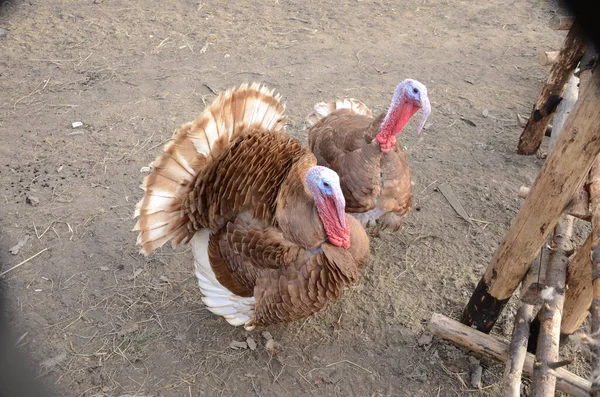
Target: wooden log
<point>579,205</point>
<point>530,293</point>
<point>517,351</point>
<point>560,176</point>
<point>490,346</point>
<point>544,383</point>
<point>550,97</point>
<point>578,297</point>
<point>534,281</point>
<point>522,122</point>
<point>579,272</point>
<point>561,22</point>
<point>563,109</point>
<point>546,58</point>
<point>595,256</point>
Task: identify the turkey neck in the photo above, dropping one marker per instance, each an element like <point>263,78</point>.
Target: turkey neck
<point>372,152</point>
<point>295,203</point>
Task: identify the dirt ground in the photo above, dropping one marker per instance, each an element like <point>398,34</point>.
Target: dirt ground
<point>102,320</point>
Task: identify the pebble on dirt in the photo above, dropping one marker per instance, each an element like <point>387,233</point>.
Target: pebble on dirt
<point>32,200</point>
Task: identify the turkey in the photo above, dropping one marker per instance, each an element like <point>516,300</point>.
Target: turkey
<point>373,170</point>
<point>269,234</point>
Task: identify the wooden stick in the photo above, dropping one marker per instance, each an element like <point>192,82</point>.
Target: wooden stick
<point>546,58</point>
<point>560,176</point>
<point>549,98</point>
<point>22,263</point>
<point>561,22</point>
<point>544,383</point>
<point>479,342</point>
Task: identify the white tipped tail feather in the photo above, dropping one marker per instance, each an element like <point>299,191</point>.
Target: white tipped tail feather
<point>162,213</point>
<point>322,109</point>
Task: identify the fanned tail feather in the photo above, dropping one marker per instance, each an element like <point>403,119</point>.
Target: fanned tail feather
<point>322,109</point>
<point>161,211</point>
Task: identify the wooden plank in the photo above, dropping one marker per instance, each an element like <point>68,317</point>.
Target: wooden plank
<point>560,176</point>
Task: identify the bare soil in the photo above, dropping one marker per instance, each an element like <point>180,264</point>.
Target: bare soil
<point>102,320</point>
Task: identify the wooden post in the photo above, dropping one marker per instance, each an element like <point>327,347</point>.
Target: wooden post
<point>578,297</point>
<point>595,256</point>
<point>486,344</point>
<point>544,383</point>
<point>560,176</point>
<point>561,22</point>
<point>550,97</point>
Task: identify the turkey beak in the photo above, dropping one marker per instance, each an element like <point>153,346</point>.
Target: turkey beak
<point>426,111</point>
<point>340,206</point>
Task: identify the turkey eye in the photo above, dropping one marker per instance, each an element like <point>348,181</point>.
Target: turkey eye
<point>325,184</point>
<point>415,90</point>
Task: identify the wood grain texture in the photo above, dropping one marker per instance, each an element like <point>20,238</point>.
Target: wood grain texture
<point>559,178</point>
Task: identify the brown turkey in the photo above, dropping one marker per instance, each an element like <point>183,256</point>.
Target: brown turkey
<point>373,169</point>
<point>270,237</point>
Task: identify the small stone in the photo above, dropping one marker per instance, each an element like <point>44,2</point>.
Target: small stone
<point>485,113</point>
<point>135,274</point>
<point>476,372</point>
<point>272,347</point>
<point>32,200</point>
<point>251,343</point>
<point>145,169</point>
<point>15,250</point>
<point>267,335</point>
<point>3,32</point>
<point>425,339</point>
<point>128,329</point>
<point>77,124</point>
<point>473,360</point>
<point>104,268</point>
<point>238,345</point>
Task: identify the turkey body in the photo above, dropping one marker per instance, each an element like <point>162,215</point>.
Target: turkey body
<point>373,169</point>
<point>268,247</point>
<point>376,185</point>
